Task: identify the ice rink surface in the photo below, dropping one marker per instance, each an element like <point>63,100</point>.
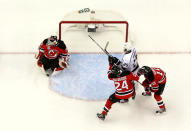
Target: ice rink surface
<point>27,103</point>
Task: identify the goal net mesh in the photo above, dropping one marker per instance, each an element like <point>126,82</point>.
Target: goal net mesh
<point>102,25</point>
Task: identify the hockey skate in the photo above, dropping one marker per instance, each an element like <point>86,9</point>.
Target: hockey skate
<point>161,110</point>
<point>101,116</point>
<point>124,101</point>
<point>146,93</point>
<point>48,72</point>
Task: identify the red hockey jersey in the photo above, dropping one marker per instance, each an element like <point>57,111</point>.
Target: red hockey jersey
<point>159,78</point>
<point>52,52</point>
<point>124,85</point>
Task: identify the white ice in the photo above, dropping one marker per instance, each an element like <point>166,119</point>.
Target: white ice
<point>28,104</point>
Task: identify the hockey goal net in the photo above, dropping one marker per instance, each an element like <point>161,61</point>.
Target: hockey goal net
<point>103,25</point>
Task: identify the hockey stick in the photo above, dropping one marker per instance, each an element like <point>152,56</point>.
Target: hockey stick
<point>104,50</point>
<point>140,83</point>
<point>106,46</point>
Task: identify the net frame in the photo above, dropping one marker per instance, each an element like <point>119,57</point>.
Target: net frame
<point>94,22</point>
<point>87,16</point>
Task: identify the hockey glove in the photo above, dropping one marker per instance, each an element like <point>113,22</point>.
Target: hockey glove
<point>116,61</point>
<point>140,72</point>
<point>113,60</point>
<point>110,58</point>
<point>147,89</point>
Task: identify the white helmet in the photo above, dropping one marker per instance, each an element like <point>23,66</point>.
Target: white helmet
<point>127,46</point>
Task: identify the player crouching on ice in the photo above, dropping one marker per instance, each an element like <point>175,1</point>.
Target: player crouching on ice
<point>155,80</point>
<point>124,87</point>
<point>53,55</point>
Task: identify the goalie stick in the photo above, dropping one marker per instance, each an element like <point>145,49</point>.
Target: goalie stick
<point>104,50</point>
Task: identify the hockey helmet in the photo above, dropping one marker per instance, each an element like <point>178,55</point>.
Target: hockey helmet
<point>53,38</point>
<point>127,47</point>
<point>147,72</point>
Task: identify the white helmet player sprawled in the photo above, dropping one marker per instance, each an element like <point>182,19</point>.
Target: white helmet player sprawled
<point>127,47</point>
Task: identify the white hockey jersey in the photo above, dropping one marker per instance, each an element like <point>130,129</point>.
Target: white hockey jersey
<point>129,61</point>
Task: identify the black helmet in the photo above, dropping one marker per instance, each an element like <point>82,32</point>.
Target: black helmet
<point>147,72</point>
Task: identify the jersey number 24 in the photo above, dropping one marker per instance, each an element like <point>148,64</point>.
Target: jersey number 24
<point>121,85</point>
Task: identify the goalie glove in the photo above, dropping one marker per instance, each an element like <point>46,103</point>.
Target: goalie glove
<point>39,55</point>
<point>63,60</point>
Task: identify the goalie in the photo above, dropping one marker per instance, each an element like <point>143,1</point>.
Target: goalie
<point>53,55</point>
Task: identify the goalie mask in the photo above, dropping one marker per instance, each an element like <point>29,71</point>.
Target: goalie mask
<point>127,47</point>
<point>52,40</point>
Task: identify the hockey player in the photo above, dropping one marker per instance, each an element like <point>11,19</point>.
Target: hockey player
<point>155,80</point>
<point>129,58</point>
<point>123,84</point>
<point>53,55</point>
